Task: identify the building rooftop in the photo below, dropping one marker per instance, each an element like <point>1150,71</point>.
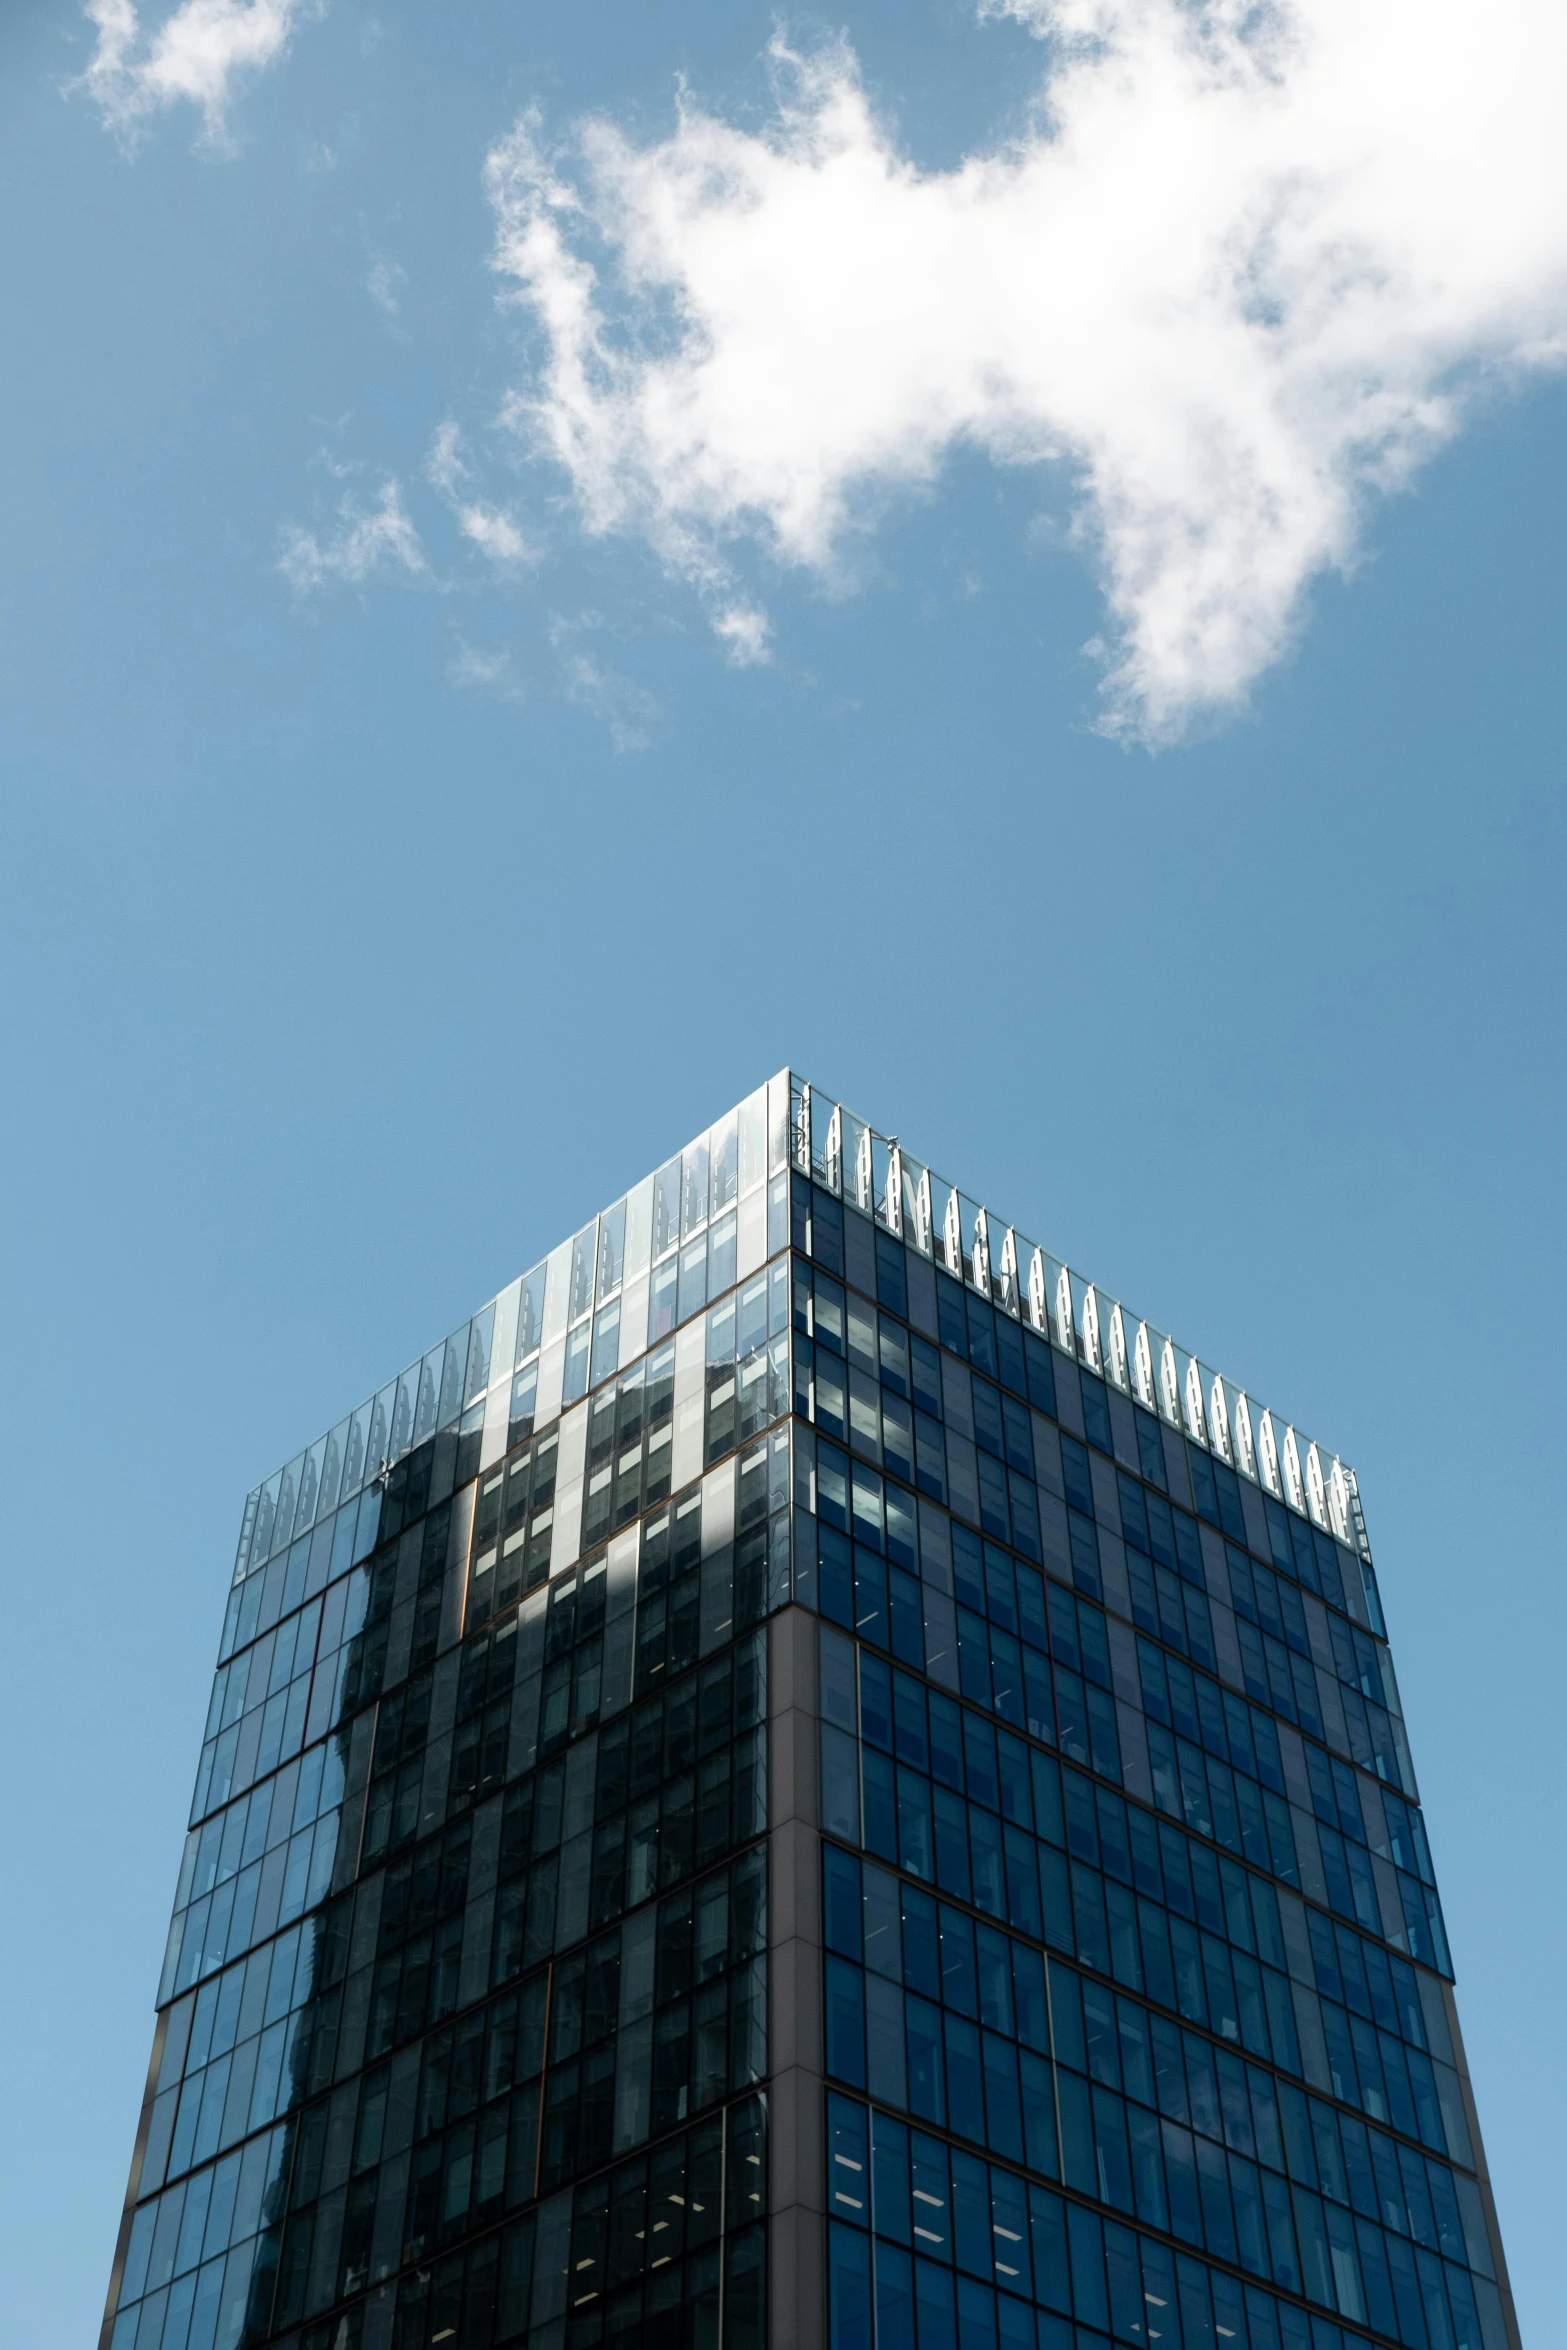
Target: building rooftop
<point>573,1300</point>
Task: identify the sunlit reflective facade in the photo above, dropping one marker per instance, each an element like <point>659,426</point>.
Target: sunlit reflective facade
<point>807,1769</point>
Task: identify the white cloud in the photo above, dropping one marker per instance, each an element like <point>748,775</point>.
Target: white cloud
<point>745,631</point>
<point>494,534</point>
<point>1241,269</point>
<point>196,54</point>
<point>489,670</point>
<point>489,528</point>
<point>444,465</point>
<point>380,540</point>
<point>384,285</point>
<point>628,712</point>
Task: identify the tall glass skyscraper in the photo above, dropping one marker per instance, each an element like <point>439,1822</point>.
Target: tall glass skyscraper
<point>807,1771</point>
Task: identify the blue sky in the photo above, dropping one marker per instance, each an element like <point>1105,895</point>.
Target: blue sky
<point>376,906</point>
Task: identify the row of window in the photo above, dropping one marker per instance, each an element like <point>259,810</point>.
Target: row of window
<point>266,1668</point>
<point>850,1498</point>
<point>1168,2130</point>
<point>431,1935</point>
<point>712,2300</point>
<point>928,2244</point>
<point>514,1512</point>
<point>629,1443</point>
<point>684,1825</point>
<point>943,1958</point>
<point>994,1490</point>
<point>278,1879</point>
<point>643,2032</point>
<point>232,1841</point>
<point>292,1701</point>
<point>345,1633</point>
<point>665,1209</point>
<point>511,1552</point>
<point>660,1959</point>
<point>670,1729</point>
<point>660,1956</point>
<point>1204,1755</point>
<point>423,1410</point>
<point>531,1683</point>
<point>674,1827</point>
<point>1072,1706</point>
<point>1185,1787</point>
<point>274,1983</point>
<point>1194,1731</point>
<point>231,2096</point>
<point>681,1281</point>
<point>1017,1358</point>
<point>666,2250</point>
<point>700,1749</point>
<point>1155,1951</point>
<point>717,1391</point>
<point>192,2256</point>
<point>422,2198</point>
<point>341,1539</point>
<point>443,1391</point>
<point>918,1779</point>
<point>1338,2024</point>
<point>247,1834</point>
<point>907,1287</point>
<point>292,1878</point>
<point>437,1401</point>
<point>1357,1904</point>
<point>640,2243</point>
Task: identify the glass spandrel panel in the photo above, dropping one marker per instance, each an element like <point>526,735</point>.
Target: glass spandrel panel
<point>530,1312</point>
<point>639,1229</point>
<point>476,1370</point>
<point>427,1407</point>
<point>356,1461</point>
<point>611,1250</point>
<point>724,1168</point>
<point>557,1290</point>
<point>404,1405</point>
<point>666,1208</point>
<point>694,1172</point>
<point>584,1250</point>
<point>752,1145</point>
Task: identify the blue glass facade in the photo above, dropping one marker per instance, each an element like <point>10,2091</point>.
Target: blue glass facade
<point>806,1768</point>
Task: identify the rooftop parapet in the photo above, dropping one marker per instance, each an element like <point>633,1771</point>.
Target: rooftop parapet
<point>590,1306</point>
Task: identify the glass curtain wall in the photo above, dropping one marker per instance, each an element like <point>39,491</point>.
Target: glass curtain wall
<point>1135,1994</point>
<point>1136,2005</point>
<point>463,2018</point>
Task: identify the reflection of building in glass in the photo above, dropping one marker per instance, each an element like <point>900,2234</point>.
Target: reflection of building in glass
<point>807,1770</point>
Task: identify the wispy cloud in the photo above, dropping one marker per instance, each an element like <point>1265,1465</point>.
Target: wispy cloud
<point>444,465</point>
<point>196,55</point>
<point>487,670</point>
<point>494,534</point>
<point>627,711</point>
<point>381,538</point>
<point>384,283</point>
<point>1242,270</point>
<point>489,528</point>
<point>745,632</point>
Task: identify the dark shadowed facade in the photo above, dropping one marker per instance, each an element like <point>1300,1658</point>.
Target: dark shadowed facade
<point>807,1773</point>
